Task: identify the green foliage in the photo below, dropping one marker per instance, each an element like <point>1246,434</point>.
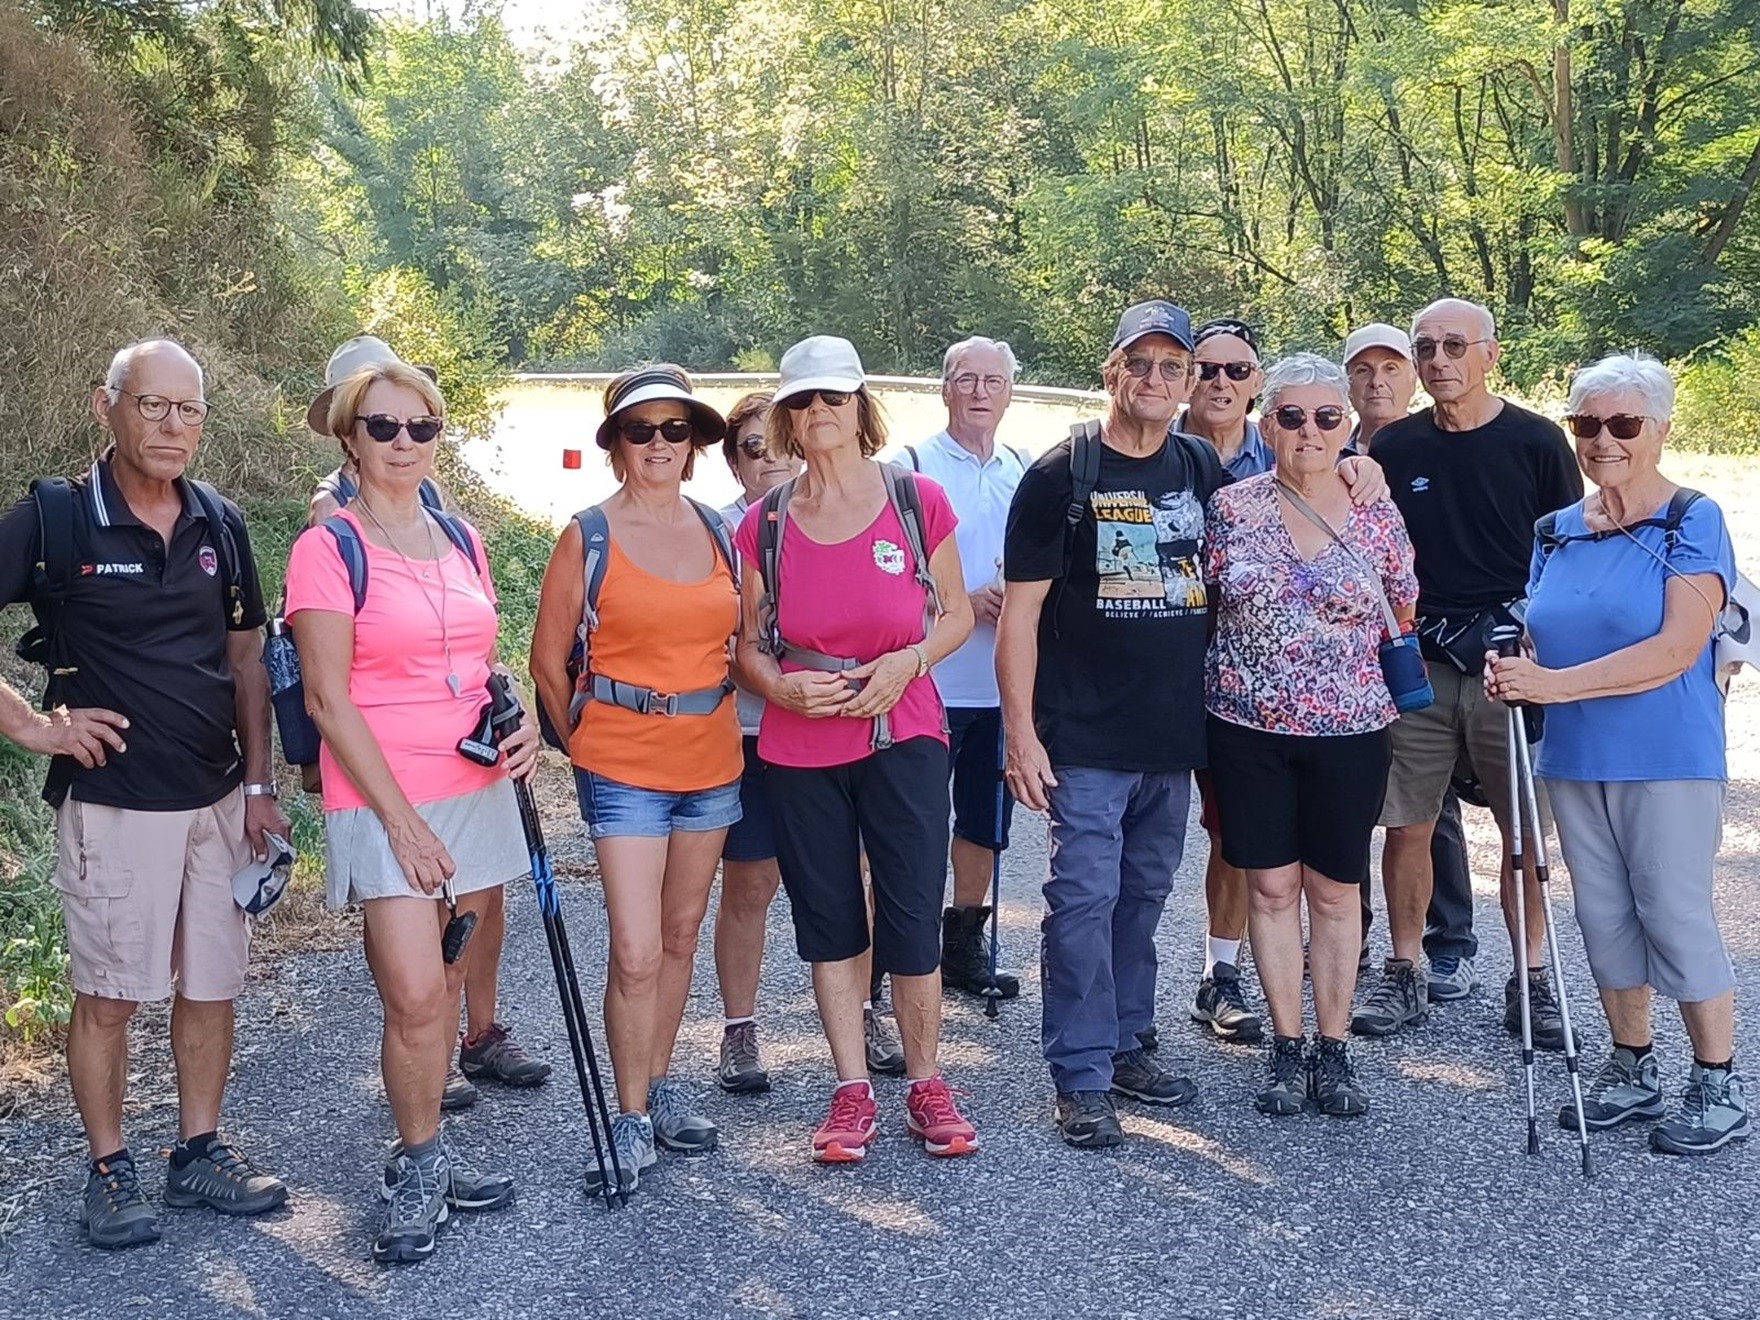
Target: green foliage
<point>35,997</point>
<point>1717,400</point>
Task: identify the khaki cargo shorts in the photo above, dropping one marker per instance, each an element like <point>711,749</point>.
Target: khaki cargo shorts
<point>147,896</point>
<point>1460,725</point>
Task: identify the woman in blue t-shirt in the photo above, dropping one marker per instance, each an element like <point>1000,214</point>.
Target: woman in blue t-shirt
<point>1624,595</point>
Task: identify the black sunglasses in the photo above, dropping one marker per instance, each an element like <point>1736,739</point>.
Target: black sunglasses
<point>1622,426</point>
<point>801,402</point>
<point>1328,417</point>
<point>674,431</point>
<point>752,446</point>
<point>1454,345</point>
<point>383,427</point>
<point>1235,370</point>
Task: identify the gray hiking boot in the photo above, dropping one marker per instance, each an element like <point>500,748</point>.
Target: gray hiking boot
<point>1336,1088</point>
<point>1398,1000</point>
<point>1221,1005</point>
<point>416,1210</point>
<point>466,1188</point>
<point>677,1125</point>
<point>1626,1088</point>
<point>740,1072</point>
<point>113,1212</point>
<point>1136,1076</point>
<point>885,1056</point>
<point>1548,1020</point>
<point>1713,1112</point>
<point>632,1136</point>
<point>1287,1090</point>
<point>498,1057</point>
<point>1451,979</point>
<point>221,1179</point>
<point>458,1093</point>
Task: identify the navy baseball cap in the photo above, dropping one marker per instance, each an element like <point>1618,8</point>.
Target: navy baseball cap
<point>1154,317</point>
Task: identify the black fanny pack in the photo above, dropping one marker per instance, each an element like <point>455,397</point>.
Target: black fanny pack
<point>1462,640</point>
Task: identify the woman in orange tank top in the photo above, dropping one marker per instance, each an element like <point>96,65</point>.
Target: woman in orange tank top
<point>656,746</point>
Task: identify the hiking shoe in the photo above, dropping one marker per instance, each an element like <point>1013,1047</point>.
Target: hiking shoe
<point>113,1212</point>
<point>465,1189</point>
<point>1221,1005</point>
<point>1087,1120</point>
<point>632,1137</point>
<point>221,1179</point>
<point>844,1135</point>
<point>415,1210</point>
<point>1713,1112</point>
<point>1136,1076</point>
<point>1336,1088</point>
<point>931,1117</point>
<point>1451,979</point>
<point>740,1072</point>
<point>885,1055</point>
<point>497,1057</point>
<point>965,954</point>
<point>677,1125</point>
<point>1397,1000</point>
<point>1547,1023</point>
<point>1626,1088</point>
<point>1149,1038</point>
<point>1288,1089</point>
<point>458,1093</point>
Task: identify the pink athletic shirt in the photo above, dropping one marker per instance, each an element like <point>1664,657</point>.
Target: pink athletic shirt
<point>857,598</point>
<point>398,677</point>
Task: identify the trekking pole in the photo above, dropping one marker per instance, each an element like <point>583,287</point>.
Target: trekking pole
<point>580,1039</point>
<point>993,993</point>
<point>1564,1000</point>
<point>1524,796</point>
<point>1506,640</point>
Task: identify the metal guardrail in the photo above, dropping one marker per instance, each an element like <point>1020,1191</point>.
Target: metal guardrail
<point>752,380</point>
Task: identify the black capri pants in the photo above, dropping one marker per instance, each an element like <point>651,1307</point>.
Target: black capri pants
<point>1286,798</point>
<point>895,804</point>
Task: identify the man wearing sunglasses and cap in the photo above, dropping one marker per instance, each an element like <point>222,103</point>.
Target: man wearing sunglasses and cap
<point>1471,475</point>
<point>1377,361</point>
<point>156,715</point>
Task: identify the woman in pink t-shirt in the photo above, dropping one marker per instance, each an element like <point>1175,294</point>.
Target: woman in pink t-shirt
<point>393,686</point>
<point>854,734</point>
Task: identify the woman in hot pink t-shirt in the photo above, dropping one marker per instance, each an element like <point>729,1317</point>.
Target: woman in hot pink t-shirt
<point>854,734</point>
<point>393,685</point>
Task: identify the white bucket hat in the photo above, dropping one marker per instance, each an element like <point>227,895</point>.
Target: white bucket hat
<point>352,356</point>
<point>823,362</point>
<point>259,886</point>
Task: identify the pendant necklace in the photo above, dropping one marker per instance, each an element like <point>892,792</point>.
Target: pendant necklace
<point>420,579</point>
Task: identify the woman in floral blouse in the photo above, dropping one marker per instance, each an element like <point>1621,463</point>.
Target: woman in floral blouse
<point>1299,713</point>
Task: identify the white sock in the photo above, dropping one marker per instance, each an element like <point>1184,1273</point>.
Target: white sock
<point>867,1005</point>
<point>739,1022</point>
<point>1221,951</point>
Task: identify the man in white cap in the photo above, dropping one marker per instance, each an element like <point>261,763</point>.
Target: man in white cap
<point>1383,379</point>
<point>487,1050</point>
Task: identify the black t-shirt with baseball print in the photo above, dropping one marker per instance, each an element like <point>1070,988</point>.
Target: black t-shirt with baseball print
<point>1122,637</point>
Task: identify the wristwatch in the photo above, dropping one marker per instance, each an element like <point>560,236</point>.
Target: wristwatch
<point>262,790</point>
<point>922,659</point>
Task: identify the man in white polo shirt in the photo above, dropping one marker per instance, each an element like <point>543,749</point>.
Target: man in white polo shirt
<point>979,476</point>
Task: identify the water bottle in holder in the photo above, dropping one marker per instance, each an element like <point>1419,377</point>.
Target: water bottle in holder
<point>287,693</point>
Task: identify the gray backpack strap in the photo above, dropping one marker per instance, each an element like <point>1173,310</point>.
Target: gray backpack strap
<point>595,548</point>
<point>771,523</point>
<point>907,505</point>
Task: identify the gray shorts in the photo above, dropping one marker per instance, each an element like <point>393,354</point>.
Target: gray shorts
<point>1642,858</point>
<point>481,831</point>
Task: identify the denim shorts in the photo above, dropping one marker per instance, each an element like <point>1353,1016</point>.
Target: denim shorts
<point>622,811</point>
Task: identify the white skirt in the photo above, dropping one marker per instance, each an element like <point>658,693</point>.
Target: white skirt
<point>480,830</point>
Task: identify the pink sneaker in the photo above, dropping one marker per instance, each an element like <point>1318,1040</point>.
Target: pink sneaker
<point>931,1117</point>
<point>844,1135</point>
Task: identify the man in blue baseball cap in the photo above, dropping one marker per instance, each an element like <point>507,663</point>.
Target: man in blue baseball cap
<point>1100,661</point>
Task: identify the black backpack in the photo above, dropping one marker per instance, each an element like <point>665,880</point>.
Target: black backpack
<point>1546,529</point>
<point>53,576</point>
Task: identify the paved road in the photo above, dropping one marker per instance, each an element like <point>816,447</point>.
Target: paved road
<point>1426,1208</point>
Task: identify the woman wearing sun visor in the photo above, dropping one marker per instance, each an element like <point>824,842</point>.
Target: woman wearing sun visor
<point>630,657</point>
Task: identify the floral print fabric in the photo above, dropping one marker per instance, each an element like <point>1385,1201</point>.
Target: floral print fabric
<point>1297,640</point>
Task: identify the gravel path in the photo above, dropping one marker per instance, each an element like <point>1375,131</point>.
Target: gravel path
<point>1426,1208</point>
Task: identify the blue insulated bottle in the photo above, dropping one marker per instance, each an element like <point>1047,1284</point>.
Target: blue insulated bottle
<point>287,693</point>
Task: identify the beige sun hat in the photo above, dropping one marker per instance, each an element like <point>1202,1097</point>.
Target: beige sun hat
<point>353,355</point>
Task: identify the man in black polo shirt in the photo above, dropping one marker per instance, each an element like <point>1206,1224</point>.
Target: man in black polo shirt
<point>157,717</point>
<point>1471,475</point>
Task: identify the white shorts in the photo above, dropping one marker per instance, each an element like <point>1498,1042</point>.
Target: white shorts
<point>481,831</point>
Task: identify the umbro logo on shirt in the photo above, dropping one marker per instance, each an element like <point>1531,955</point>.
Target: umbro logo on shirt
<point>1420,484</point>
<point>112,570</point>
